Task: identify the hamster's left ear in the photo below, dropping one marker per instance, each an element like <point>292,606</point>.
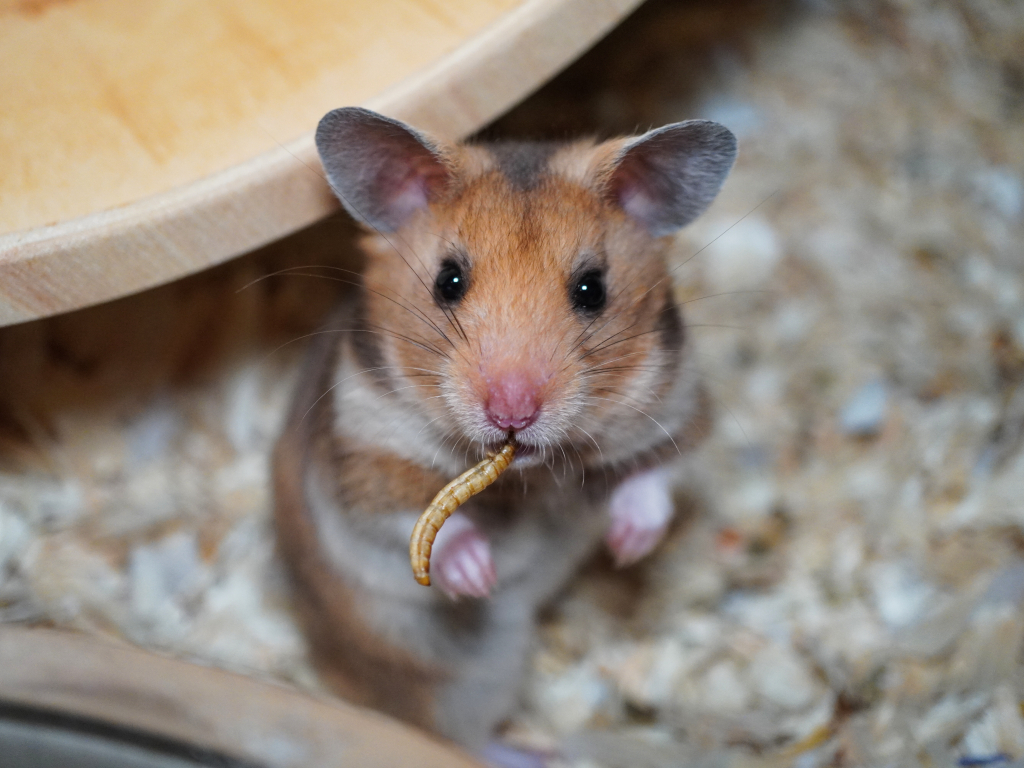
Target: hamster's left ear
<point>382,170</point>
<point>667,177</point>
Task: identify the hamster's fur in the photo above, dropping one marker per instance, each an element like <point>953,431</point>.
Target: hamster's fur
<point>509,288</point>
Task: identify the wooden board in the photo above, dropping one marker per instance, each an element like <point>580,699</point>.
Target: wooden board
<point>145,141</point>
<point>83,678</point>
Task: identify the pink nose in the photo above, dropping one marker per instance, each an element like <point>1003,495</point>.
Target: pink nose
<point>514,402</point>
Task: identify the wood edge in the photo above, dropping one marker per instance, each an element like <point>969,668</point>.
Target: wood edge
<point>229,713</point>
<point>102,256</point>
<point>456,96</point>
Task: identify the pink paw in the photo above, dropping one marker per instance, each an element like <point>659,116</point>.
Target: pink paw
<point>461,563</point>
<point>641,508</point>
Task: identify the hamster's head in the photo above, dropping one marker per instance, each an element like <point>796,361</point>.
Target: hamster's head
<point>522,288</point>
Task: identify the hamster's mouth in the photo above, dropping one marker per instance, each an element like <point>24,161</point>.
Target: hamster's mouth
<point>526,454</point>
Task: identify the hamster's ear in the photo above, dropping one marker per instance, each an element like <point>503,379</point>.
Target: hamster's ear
<point>381,169</point>
<point>666,178</point>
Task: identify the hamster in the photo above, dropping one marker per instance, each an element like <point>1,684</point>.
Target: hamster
<point>510,289</point>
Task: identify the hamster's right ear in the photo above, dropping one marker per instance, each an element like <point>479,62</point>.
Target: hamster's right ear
<point>382,170</point>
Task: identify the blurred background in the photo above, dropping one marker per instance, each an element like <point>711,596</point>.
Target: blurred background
<point>846,583</point>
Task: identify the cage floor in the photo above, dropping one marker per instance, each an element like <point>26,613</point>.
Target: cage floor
<point>846,584</point>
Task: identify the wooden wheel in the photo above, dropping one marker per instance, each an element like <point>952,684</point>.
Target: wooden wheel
<point>145,141</point>
<point>66,699</point>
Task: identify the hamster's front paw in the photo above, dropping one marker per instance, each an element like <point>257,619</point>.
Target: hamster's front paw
<point>461,563</point>
<point>641,508</point>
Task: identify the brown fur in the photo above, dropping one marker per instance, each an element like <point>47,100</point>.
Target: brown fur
<point>349,655</point>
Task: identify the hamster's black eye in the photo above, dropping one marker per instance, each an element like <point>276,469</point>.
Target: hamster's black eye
<point>588,295</point>
<point>451,284</point>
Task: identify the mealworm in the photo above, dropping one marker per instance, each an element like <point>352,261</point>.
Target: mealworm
<point>450,498</point>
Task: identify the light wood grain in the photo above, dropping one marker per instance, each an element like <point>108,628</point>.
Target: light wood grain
<point>212,709</point>
<point>145,141</point>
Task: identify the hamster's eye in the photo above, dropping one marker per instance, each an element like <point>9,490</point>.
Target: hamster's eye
<point>451,283</point>
<point>588,295</point>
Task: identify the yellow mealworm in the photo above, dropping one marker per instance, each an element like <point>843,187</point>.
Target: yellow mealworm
<point>450,498</point>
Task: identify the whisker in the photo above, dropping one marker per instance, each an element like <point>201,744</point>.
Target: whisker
<point>422,344</point>
<point>420,430</point>
<point>331,388</point>
<point>361,282</point>
<point>638,410</point>
<point>342,381</point>
<point>726,230</point>
<point>720,295</point>
<point>610,391</point>
<point>597,445</point>
<point>608,343</point>
<point>408,386</point>
<point>441,445</point>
